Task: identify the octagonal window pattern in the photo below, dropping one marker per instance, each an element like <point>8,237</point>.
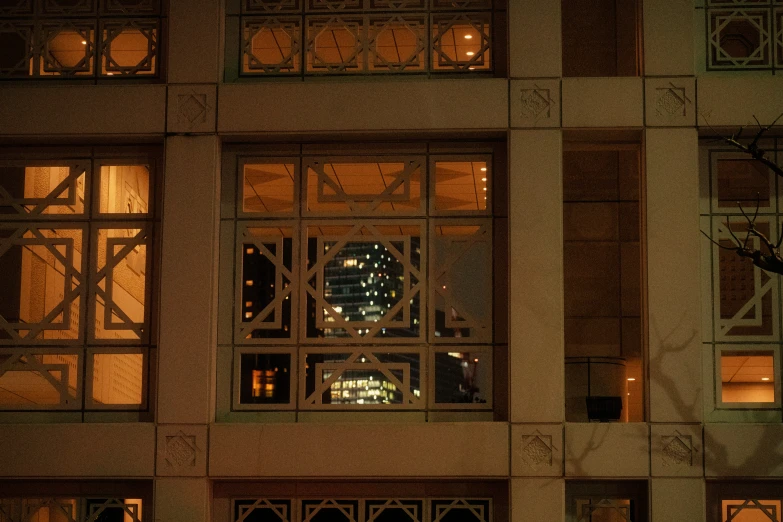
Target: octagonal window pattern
<point>79,38</point>
<point>744,34</point>
<point>314,37</point>
<point>361,281</point>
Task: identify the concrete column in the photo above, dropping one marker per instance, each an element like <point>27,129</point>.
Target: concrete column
<point>668,38</point>
<point>182,500</point>
<point>542,500</point>
<point>534,40</point>
<point>677,499</point>
<point>536,276</point>
<point>673,275</point>
<point>194,41</point>
<point>188,278</point>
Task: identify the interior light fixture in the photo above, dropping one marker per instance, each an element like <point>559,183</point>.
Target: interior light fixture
<point>483,179</point>
<point>84,42</point>
<point>468,36</point>
<point>631,378</point>
<point>470,53</point>
<point>483,169</point>
<point>765,378</point>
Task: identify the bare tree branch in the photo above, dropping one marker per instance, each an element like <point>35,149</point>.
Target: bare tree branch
<point>770,261</point>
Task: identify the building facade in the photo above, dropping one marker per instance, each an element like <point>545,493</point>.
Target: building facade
<point>426,260</point>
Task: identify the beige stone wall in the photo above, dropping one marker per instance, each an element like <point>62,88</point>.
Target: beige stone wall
<point>536,451</point>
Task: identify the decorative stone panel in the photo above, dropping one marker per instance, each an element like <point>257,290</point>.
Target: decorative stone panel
<point>535,103</point>
<point>676,450</point>
<point>537,450</point>
<point>607,449</point>
<point>182,450</point>
<point>669,102</point>
<point>191,109</point>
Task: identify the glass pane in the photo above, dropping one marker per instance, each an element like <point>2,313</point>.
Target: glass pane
<point>272,45</point>
<point>463,377</point>
<point>125,189</point>
<point>739,38</point>
<point>129,48</point>
<point>262,510</point>
<point>28,380</point>
<point>266,283</point>
<point>748,510</point>
<point>461,185</point>
<point>67,50</point>
<point>397,44</point>
<point>118,378</point>
<point>460,510</point>
<point>461,42</point>
<point>41,284</point>
<point>114,509</point>
<point>461,279</point>
<point>120,290</point>
<point>363,282</point>
<point>265,378</point>
<point>69,7</point>
<point>747,377</point>
<point>603,510</point>
<point>364,187</point>
<point>42,190</point>
<point>268,188</point>
<point>360,378</point>
<point>334,44</point>
<point>747,296</point>
<point>16,40</point>
<point>744,182</point>
<point>50,509</point>
<point>330,510</point>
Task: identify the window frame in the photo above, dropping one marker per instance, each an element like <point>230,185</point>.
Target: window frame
<point>716,338</point>
<point>229,405</point>
<point>236,16</point>
<point>97,18</point>
<point>91,158</point>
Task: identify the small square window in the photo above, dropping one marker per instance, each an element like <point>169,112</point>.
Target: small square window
<point>747,377</point>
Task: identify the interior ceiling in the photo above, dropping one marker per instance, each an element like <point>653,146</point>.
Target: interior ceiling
<point>459,185</point>
<point>746,368</point>
<point>395,43</point>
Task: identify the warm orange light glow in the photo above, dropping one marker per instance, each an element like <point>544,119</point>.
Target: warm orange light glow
<point>631,379</point>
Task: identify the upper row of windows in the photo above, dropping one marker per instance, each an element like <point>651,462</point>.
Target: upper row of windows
<point>293,38</point>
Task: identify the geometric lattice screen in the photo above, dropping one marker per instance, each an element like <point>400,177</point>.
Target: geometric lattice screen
<point>743,334</point>
<point>316,37</point>
<point>744,34</point>
<point>359,281</point>
<point>70,509</point>
<point>76,250</point>
<point>759,501</point>
<point>79,38</point>
<point>362,510</point>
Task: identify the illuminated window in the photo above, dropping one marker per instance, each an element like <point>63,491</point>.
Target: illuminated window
<point>363,281</point>
<point>79,39</point>
<point>75,501</point>
<point>355,502</point>
<point>742,340</point>
<point>314,37</point>
<point>744,502</point>
<point>76,250</point>
<point>744,35</point>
